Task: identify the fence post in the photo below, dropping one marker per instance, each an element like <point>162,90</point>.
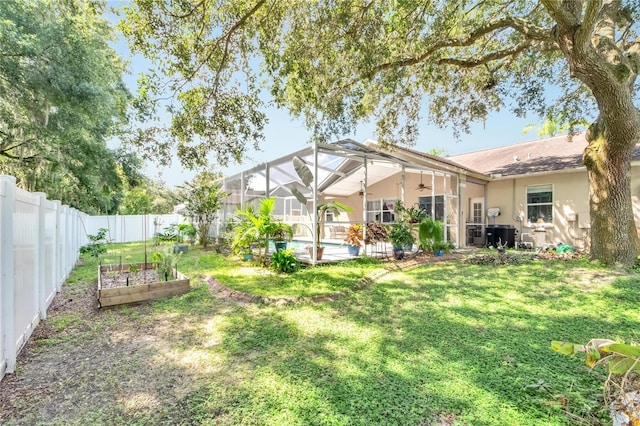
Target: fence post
<point>65,258</point>
<point>77,234</point>
<point>41,258</point>
<point>55,244</point>
<point>56,247</point>
<point>7,281</point>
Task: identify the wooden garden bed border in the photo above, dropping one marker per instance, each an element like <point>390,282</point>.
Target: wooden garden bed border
<point>141,292</point>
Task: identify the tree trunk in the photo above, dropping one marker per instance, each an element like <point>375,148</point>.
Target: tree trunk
<point>614,239</point>
<point>612,137</point>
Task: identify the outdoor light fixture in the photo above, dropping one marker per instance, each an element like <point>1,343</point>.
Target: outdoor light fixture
<point>361,192</point>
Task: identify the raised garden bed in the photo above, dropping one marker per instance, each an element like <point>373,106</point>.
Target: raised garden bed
<point>117,284</point>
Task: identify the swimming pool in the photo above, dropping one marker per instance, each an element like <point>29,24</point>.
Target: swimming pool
<point>302,244</point>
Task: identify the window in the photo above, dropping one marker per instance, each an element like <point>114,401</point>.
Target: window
<point>540,203</point>
<point>381,211</point>
<point>328,217</point>
<point>426,203</point>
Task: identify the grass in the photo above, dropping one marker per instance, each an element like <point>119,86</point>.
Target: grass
<point>249,277</point>
<point>446,343</point>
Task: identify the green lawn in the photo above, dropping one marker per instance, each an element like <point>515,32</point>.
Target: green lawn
<point>446,343</point>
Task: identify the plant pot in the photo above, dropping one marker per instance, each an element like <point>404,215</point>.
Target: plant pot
<point>280,245</point>
<point>180,248</point>
<point>439,253</point>
<point>353,250</point>
<point>247,256</point>
<point>319,252</point>
<point>398,253</point>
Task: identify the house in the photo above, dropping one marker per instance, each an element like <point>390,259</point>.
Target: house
<point>534,192</point>
<point>541,188</point>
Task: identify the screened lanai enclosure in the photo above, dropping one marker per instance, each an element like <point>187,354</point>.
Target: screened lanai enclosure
<point>363,176</point>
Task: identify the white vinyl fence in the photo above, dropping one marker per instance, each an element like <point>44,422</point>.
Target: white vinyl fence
<point>131,228</point>
<point>40,240</point>
<point>40,244</point>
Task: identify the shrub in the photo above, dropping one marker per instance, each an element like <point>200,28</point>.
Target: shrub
<point>97,243</point>
<point>284,261</point>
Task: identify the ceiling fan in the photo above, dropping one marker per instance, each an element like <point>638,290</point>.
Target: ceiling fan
<point>361,192</point>
<point>422,186</point>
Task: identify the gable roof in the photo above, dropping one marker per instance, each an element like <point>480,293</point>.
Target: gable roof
<point>543,155</point>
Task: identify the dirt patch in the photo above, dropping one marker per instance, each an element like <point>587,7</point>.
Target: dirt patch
<point>81,357</point>
<point>113,279</point>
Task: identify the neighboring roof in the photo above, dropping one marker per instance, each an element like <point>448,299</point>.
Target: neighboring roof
<point>544,155</point>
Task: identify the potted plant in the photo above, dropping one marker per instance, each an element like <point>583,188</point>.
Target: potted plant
<point>439,248</point>
<point>282,232</point>
<point>334,207</point>
<point>184,230</point>
<point>431,236</point>
<point>411,214</point>
<point>354,239</point>
<point>247,253</point>
<point>400,236</point>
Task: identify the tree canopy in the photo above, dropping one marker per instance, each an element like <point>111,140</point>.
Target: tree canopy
<point>337,63</point>
<point>61,97</point>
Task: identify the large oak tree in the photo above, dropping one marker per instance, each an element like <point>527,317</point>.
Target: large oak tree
<point>61,97</point>
<point>336,63</point>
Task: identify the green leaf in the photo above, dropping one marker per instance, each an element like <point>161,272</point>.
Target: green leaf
<point>619,364</point>
<point>566,348</point>
<point>299,196</point>
<point>592,357</point>
<point>303,171</point>
<point>622,349</point>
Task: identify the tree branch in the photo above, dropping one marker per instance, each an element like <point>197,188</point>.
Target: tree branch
<point>227,38</point>
<point>560,14</point>
<point>228,35</point>
<point>185,15</point>
<point>587,27</point>
<point>532,32</point>
<point>15,157</point>
<point>500,54</point>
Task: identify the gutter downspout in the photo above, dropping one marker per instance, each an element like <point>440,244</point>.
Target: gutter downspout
<point>518,218</point>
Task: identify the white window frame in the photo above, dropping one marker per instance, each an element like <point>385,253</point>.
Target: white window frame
<point>381,208</point>
<point>329,217</point>
<point>539,189</point>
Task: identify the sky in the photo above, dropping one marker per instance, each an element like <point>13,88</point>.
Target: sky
<point>285,134</point>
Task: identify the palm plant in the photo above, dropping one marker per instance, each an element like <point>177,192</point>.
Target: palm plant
<point>255,227</point>
<point>245,233</point>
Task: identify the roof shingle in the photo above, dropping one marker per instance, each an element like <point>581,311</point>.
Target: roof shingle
<point>544,155</point>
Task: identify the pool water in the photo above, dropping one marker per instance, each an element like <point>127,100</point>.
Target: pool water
<point>302,244</point>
